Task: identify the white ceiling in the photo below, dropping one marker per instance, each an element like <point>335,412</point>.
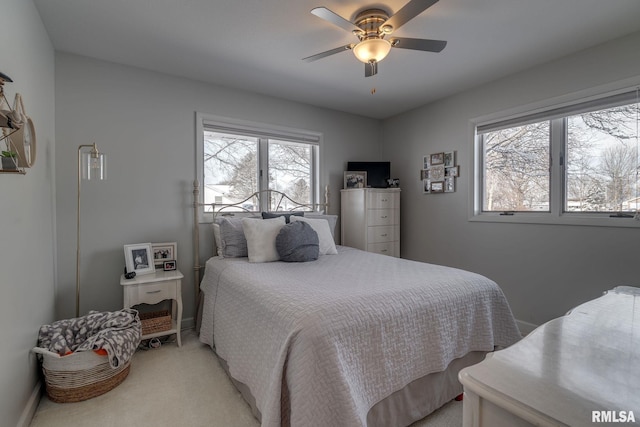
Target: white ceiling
<point>257,45</point>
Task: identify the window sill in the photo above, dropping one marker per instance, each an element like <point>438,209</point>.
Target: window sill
<point>594,220</point>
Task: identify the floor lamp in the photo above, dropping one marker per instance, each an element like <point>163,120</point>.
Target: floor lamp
<point>92,165</point>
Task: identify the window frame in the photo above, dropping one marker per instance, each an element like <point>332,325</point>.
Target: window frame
<point>263,132</point>
<point>554,110</point>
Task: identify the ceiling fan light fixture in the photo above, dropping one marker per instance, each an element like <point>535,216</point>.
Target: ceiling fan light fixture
<point>372,50</point>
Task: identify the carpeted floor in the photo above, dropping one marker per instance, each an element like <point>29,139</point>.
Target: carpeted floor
<point>172,386</point>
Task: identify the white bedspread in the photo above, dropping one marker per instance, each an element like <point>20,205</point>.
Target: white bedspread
<point>348,330</point>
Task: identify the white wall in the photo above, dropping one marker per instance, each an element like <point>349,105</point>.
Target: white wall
<point>543,269</point>
<point>145,122</point>
<point>27,216</point>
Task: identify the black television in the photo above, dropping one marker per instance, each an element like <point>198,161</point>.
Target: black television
<point>377,172</point>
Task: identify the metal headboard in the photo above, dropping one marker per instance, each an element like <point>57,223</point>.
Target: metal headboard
<point>279,198</point>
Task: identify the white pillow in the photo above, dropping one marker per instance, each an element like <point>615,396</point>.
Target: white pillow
<point>261,238</point>
<point>321,226</point>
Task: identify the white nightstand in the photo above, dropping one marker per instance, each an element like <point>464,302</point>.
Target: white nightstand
<point>153,288</point>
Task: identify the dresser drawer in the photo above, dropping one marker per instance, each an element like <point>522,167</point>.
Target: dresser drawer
<point>383,233</point>
<point>152,293</point>
<point>382,200</point>
<point>383,216</point>
<point>387,248</point>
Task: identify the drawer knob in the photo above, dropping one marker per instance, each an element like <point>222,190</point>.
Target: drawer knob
<point>383,235</point>
<point>383,250</point>
<point>383,216</point>
<point>153,292</point>
<point>385,200</point>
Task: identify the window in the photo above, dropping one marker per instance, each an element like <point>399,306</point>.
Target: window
<point>577,161</point>
<point>237,159</point>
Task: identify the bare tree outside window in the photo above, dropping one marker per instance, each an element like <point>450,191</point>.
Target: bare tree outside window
<point>602,161</point>
<point>516,168</point>
<point>232,169</point>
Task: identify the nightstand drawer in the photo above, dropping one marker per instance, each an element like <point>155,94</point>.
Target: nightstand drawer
<point>152,293</point>
<point>382,200</point>
<point>387,248</point>
<point>383,216</point>
<point>383,233</point>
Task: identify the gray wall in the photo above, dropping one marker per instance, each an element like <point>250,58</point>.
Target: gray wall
<point>27,262</point>
<point>145,123</point>
<point>543,269</point>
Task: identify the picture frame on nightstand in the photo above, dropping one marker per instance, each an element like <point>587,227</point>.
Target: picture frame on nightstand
<point>139,258</point>
<point>169,265</point>
<point>164,252</point>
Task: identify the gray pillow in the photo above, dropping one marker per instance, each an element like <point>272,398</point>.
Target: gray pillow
<point>232,241</point>
<point>269,215</point>
<point>297,242</point>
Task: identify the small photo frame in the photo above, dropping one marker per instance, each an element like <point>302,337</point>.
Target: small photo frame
<point>426,186</point>
<point>164,252</point>
<point>169,265</point>
<point>449,159</point>
<point>452,171</point>
<point>355,179</point>
<point>424,174</point>
<point>436,159</point>
<point>449,184</point>
<point>436,187</point>
<point>425,162</point>
<point>139,258</point>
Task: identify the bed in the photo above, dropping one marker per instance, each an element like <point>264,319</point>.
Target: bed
<point>353,338</point>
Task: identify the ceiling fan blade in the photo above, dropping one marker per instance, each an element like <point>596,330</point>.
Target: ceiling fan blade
<point>334,18</point>
<point>407,13</point>
<point>371,69</point>
<point>328,53</point>
<point>418,44</point>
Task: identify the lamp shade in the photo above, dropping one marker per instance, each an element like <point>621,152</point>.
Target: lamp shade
<point>372,50</point>
<point>94,166</point>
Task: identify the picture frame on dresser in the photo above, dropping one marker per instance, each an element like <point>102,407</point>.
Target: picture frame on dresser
<point>138,257</point>
<point>164,252</point>
<point>355,179</point>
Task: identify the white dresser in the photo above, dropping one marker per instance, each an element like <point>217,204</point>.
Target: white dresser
<point>582,369</point>
<point>370,219</point>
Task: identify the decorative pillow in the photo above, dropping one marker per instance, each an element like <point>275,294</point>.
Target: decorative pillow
<point>297,242</point>
<point>261,238</point>
<point>321,226</point>
<point>217,243</point>
<point>233,244</point>
<point>331,219</point>
<point>269,215</point>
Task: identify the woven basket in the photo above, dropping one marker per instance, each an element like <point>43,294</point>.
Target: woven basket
<point>79,376</point>
<point>155,321</point>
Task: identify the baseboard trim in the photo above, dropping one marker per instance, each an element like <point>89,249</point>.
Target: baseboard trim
<point>187,323</point>
<point>525,327</point>
<point>31,406</point>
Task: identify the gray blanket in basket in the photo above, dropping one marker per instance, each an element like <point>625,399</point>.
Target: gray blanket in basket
<point>117,332</point>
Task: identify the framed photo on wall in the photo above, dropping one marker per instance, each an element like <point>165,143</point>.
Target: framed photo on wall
<point>164,252</point>
<point>355,179</point>
<point>139,258</point>
<point>449,159</point>
<point>437,159</point>
<point>437,187</point>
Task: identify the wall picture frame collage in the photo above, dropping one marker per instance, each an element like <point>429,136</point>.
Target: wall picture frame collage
<point>439,172</point>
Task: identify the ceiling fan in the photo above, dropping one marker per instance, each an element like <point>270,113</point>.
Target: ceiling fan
<point>371,26</point>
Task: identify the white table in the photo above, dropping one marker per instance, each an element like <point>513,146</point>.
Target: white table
<point>586,361</point>
<point>153,288</point>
